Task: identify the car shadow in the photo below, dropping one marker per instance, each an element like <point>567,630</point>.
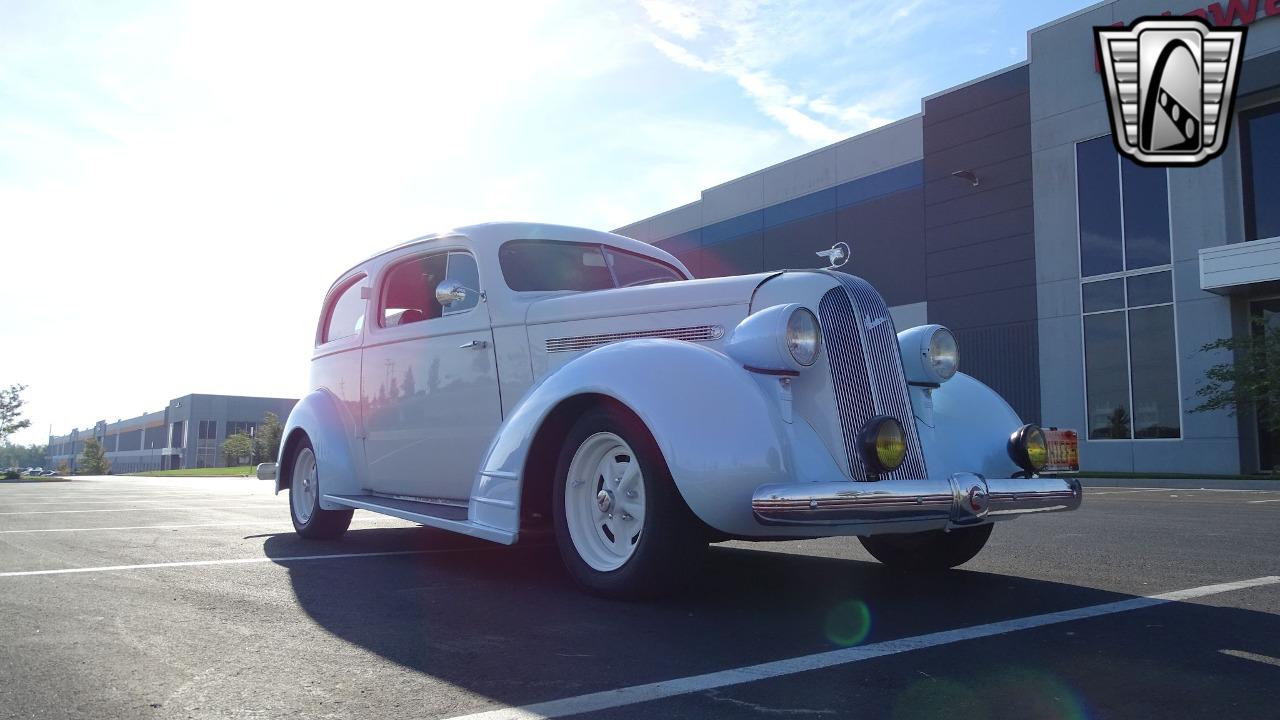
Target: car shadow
<point>508,623</point>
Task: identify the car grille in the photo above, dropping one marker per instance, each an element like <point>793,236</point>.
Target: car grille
<point>866,371</point>
<point>696,333</point>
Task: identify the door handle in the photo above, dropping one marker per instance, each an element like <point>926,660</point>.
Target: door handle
<point>476,344</point>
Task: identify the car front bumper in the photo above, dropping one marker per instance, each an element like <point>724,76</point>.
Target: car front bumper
<point>961,499</point>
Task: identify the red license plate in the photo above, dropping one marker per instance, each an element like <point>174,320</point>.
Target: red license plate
<point>1064,451</point>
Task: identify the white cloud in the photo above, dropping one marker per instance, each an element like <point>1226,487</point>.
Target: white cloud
<point>673,17</point>
<point>757,43</point>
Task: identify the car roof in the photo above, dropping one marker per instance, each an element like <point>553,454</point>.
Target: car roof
<point>496,233</point>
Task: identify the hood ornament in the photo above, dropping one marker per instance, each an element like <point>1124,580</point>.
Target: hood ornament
<point>837,256</point>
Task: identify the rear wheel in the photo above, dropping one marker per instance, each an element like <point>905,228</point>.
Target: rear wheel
<point>621,525</point>
<point>309,519</point>
<point>933,550</point>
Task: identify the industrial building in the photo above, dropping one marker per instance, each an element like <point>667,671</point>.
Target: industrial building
<point>1080,285</point>
<point>188,433</point>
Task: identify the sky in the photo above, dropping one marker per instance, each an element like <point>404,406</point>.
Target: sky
<point>180,182</point>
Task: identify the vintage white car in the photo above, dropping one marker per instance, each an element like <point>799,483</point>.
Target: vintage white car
<point>497,377</point>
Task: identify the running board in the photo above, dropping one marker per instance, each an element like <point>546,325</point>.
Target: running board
<point>445,517</point>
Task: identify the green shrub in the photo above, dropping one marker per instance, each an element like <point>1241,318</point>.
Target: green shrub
<point>12,475</point>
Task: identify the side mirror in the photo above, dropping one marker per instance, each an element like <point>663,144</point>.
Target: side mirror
<point>449,292</point>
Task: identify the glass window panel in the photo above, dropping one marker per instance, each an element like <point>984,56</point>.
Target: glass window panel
<point>345,314</point>
<point>632,270</point>
<point>409,294</point>
<point>1150,289</point>
<point>1098,187</point>
<point>548,265</point>
<point>1103,295</point>
<point>1154,362</point>
<point>1106,376</point>
<point>1146,215</point>
<point>1261,154</point>
<point>462,269</point>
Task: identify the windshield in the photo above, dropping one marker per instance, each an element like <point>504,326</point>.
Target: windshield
<point>533,265</point>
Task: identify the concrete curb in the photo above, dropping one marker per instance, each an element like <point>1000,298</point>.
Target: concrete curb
<point>1181,483</point>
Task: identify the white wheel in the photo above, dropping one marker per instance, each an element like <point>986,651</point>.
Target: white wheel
<point>622,528</point>
<point>309,519</point>
<point>302,493</point>
<point>604,501</point>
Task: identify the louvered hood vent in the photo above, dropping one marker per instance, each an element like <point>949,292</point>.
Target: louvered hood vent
<point>695,333</point>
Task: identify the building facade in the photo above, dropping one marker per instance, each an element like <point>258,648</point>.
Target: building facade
<point>1080,285</point>
<point>188,433</point>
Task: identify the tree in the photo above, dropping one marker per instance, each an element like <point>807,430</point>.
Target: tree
<point>11,412</point>
<point>22,455</point>
<point>235,448</point>
<point>266,444</point>
<point>93,461</point>
<point>1250,382</point>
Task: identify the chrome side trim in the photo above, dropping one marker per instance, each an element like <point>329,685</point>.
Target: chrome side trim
<point>695,333</point>
<point>962,499</point>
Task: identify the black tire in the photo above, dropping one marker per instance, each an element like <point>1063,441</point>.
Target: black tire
<point>322,524</point>
<point>933,550</point>
<point>671,543</point>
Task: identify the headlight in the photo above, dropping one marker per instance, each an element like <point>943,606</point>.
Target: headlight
<point>944,356</point>
<point>1028,448</point>
<point>802,336</point>
<point>929,354</point>
<point>783,338</point>
<point>884,444</point>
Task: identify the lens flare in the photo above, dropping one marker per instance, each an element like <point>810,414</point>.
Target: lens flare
<point>940,697</point>
<point>848,623</point>
<point>1013,692</point>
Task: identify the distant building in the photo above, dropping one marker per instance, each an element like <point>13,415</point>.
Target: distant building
<point>186,434</point>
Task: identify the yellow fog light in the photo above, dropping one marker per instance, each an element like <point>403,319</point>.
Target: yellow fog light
<point>884,444</point>
<point>1028,448</point>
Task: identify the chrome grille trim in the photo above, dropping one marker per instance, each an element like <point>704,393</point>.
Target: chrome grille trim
<point>695,333</point>
<point>871,327</point>
<point>848,373</point>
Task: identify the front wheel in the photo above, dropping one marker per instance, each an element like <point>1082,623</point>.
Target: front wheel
<point>621,525</point>
<point>932,550</point>
<point>309,519</point>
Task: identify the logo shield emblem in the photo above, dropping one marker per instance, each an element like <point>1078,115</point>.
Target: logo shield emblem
<point>1170,85</point>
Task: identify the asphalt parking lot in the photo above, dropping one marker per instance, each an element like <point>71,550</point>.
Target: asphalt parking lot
<point>175,598</point>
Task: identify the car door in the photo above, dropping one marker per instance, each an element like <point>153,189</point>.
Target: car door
<point>429,381</point>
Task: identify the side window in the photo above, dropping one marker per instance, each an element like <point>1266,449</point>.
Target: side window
<point>409,295</point>
<point>345,313</point>
<point>631,270</point>
<point>462,270</point>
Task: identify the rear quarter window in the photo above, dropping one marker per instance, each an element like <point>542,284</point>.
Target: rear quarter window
<point>344,312</point>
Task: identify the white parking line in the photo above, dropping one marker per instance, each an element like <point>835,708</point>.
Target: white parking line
<point>1255,502</point>
<point>753,673</point>
<point>245,523</point>
<point>136,509</point>
<point>123,501</point>
<point>238,561</point>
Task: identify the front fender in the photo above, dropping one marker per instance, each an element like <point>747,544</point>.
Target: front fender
<point>969,429</point>
<point>331,428</point>
<point>718,430</point>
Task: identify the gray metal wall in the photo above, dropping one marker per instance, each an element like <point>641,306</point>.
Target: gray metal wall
<point>979,240</point>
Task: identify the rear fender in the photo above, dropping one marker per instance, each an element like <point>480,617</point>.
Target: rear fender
<point>322,417</point>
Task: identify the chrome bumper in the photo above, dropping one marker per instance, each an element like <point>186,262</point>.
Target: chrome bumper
<point>962,499</point>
